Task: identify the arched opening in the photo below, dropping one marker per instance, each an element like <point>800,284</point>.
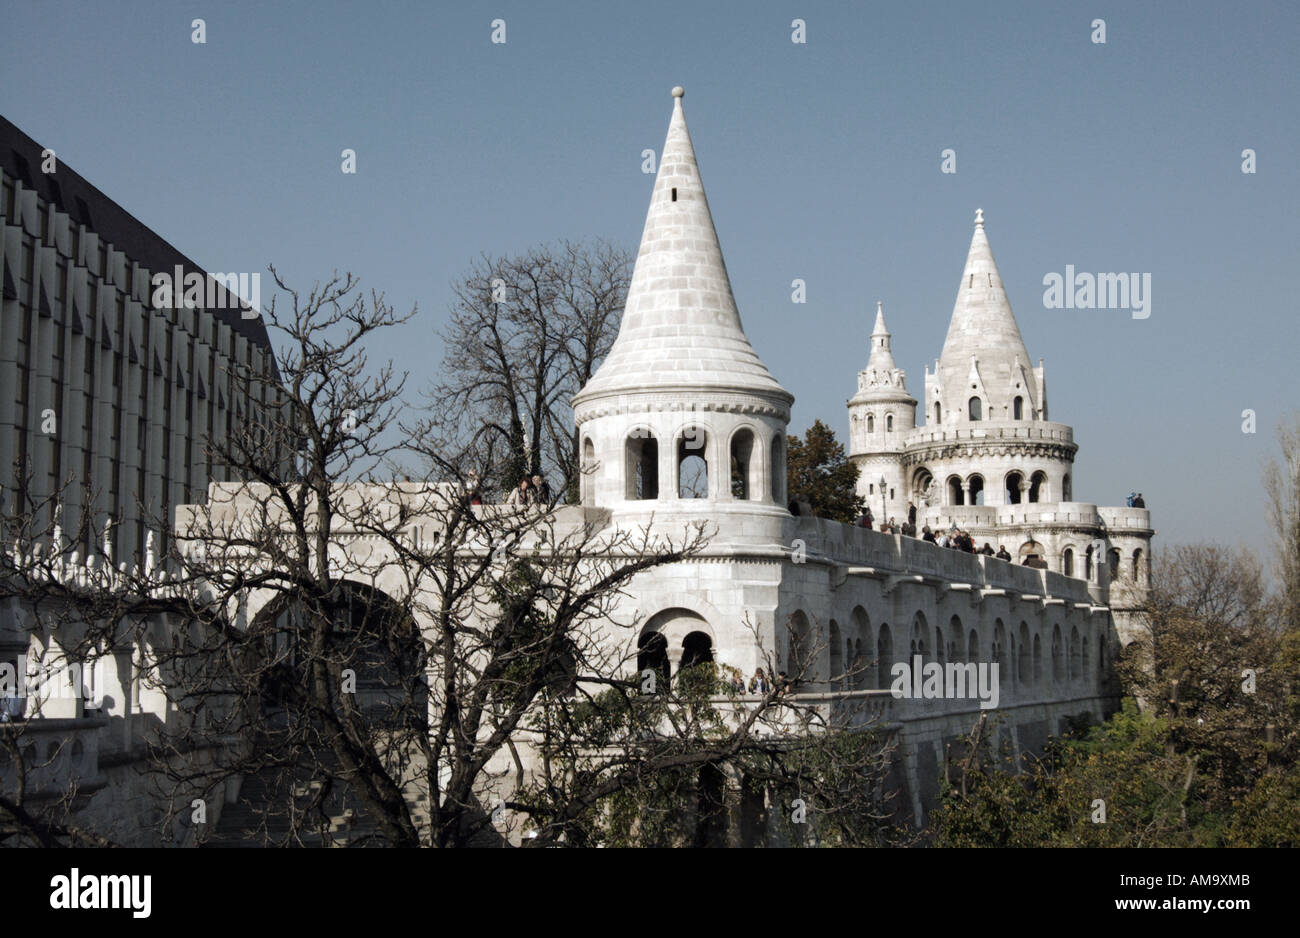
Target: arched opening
<point>977,490</point>
<point>837,658</point>
<point>370,634</point>
<point>642,471</point>
<point>972,647</point>
<point>1067,488</point>
<point>799,665</point>
<point>1076,655</point>
<point>742,458</point>
<point>1038,487</point>
<point>975,408</point>
<point>999,650</point>
<point>1058,655</point>
<point>916,646</point>
<point>588,472</point>
<point>938,412</point>
<point>921,483</point>
<point>1087,564</point>
<point>955,494</point>
<point>1085,660</point>
<point>1018,409</point>
<point>1038,661</point>
<point>871,423</point>
<point>692,466</point>
<point>777,470</point>
<point>652,654</point>
<point>1112,562</point>
<point>956,640</point>
<point>697,648</point>
<point>940,645</point>
<point>1067,561</point>
<point>1137,567</point>
<point>1024,667</point>
<point>884,656</point>
<point>861,648</point>
<point>889,423</point>
<point>1014,481</point>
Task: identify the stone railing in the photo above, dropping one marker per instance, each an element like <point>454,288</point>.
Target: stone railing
<point>56,754</point>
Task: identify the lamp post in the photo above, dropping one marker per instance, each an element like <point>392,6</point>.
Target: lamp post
<point>884,511</point>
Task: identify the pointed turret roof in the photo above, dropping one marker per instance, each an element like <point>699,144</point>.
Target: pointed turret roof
<point>680,326</point>
<point>981,318</point>
<point>882,356</point>
<point>983,335</point>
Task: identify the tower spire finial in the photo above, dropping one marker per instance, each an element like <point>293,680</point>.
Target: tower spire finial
<point>679,92</point>
<point>979,218</point>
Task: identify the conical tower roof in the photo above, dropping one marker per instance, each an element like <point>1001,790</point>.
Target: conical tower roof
<point>882,356</point>
<point>983,333</point>
<point>680,327</point>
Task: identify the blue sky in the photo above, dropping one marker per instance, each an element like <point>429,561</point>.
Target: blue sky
<point>821,161</point>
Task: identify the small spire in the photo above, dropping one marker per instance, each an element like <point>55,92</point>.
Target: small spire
<point>979,218</point>
<point>880,328</point>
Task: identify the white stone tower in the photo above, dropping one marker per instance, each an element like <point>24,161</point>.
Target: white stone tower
<point>882,414</point>
<point>683,417</point>
<point>986,409</point>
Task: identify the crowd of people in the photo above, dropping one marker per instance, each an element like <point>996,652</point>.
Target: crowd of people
<point>955,538</point>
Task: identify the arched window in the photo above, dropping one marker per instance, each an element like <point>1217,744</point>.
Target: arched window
<point>1067,562</point>
<point>975,407</point>
<point>697,648</point>
<point>977,490</point>
<point>861,628</point>
<point>999,650</point>
<point>972,647</point>
<point>938,412</point>
<point>1024,666</point>
<point>742,459</point>
<point>799,665</point>
<point>652,654</point>
<point>1087,564</point>
<point>692,466</point>
<point>1076,655</point>
<point>1137,567</point>
<point>1112,561</point>
<point>1038,661</point>
<point>1067,489</point>
<point>1085,660</point>
<point>588,472</point>
<point>642,472</point>
<point>956,640</point>
<point>884,656</point>
<point>1038,487</point>
<point>1058,655</point>
<point>917,645</point>
<point>777,470</point>
<point>871,423</point>
<point>889,423</point>
<point>955,494</point>
<point>1018,409</point>
<point>837,659</point>
<point>1014,481</point>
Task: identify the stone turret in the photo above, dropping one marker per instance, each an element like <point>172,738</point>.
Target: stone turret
<point>881,415</point>
<point>682,410</point>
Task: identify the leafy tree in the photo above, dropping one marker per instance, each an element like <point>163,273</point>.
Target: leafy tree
<point>819,472</point>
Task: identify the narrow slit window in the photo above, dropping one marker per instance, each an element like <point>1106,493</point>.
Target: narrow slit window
<point>674,193</point>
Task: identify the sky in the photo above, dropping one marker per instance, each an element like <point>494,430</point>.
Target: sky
<point>822,161</point>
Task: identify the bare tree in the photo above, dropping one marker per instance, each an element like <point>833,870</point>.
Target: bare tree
<point>526,333</point>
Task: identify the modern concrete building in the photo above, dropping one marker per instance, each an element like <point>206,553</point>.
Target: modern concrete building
<point>109,391</point>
